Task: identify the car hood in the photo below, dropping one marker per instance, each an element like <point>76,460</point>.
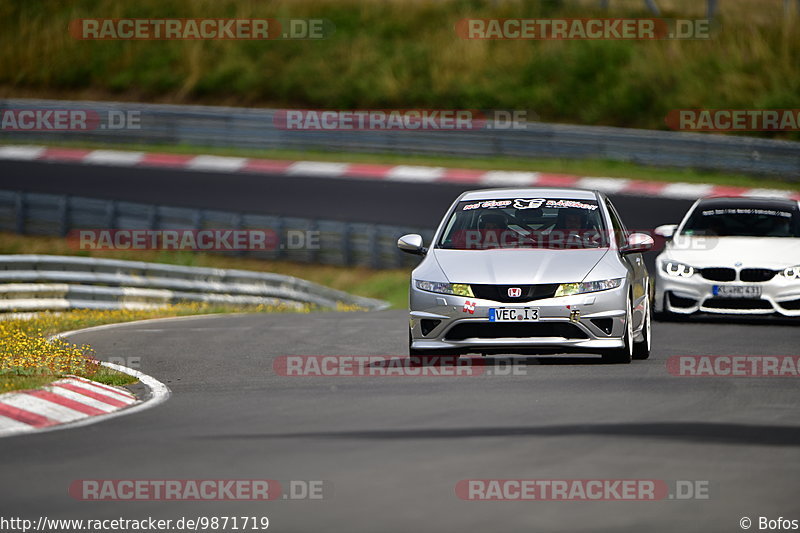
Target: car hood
<point>517,266</point>
<point>765,252</point>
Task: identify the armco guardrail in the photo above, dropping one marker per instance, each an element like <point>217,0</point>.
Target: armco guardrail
<point>255,128</point>
<point>334,242</point>
<point>50,282</point>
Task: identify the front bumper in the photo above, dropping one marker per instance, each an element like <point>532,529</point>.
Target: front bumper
<point>448,322</point>
<point>695,294</point>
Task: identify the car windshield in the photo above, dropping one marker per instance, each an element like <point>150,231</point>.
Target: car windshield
<point>525,223</point>
<point>743,221</point>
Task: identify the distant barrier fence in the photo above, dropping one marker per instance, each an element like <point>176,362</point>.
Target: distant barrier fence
<point>49,282</point>
<point>331,242</point>
<point>256,128</point>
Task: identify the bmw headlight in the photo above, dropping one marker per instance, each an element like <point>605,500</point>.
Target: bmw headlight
<point>792,272</point>
<point>456,289</point>
<point>568,289</point>
<point>675,269</point>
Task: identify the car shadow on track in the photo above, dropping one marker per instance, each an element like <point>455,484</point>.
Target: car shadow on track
<point>501,360</point>
<point>692,432</point>
<point>767,320</point>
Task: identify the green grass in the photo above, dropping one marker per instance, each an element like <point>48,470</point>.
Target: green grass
<point>109,376</point>
<point>405,54</point>
<point>580,167</point>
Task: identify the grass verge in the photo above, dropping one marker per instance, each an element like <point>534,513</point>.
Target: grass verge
<point>406,54</point>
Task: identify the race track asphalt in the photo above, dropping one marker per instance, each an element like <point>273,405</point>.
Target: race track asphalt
<point>382,202</point>
<point>390,450</point>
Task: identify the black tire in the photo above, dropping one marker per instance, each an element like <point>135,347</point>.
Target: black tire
<point>624,355</point>
<point>641,349</point>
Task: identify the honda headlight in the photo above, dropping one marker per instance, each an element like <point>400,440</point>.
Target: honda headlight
<point>568,289</point>
<point>456,289</point>
<point>792,272</point>
<point>675,269</point>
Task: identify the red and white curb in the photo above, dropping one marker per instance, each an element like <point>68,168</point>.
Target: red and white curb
<point>397,173</point>
<point>64,401</point>
<point>74,401</point>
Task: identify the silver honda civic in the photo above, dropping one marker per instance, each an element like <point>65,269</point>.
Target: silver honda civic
<point>530,271</point>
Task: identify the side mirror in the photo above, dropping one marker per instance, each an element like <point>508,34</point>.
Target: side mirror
<point>638,242</point>
<point>412,244</point>
<point>667,230</point>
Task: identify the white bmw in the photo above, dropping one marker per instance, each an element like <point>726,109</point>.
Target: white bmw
<point>731,256</point>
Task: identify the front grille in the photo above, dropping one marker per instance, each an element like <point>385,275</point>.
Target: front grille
<point>757,275</point>
<point>719,274</point>
<point>500,330</point>
<point>499,293</point>
<point>678,301</point>
<point>736,303</point>
<point>791,305</point>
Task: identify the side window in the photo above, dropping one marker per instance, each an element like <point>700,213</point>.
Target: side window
<point>620,232</point>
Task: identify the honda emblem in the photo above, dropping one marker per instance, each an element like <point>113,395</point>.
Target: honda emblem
<point>514,292</point>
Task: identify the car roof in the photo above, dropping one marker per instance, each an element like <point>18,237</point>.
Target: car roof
<point>529,192</point>
<point>746,201</point>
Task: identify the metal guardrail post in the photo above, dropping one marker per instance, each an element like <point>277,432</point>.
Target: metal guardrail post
<point>711,9</point>
<point>236,222</point>
<point>63,215</point>
<point>152,219</point>
<point>19,210</point>
<point>347,247</point>
<point>374,248</point>
<point>111,214</point>
<point>281,233</point>
<point>653,7</point>
<point>313,251</point>
<point>197,219</point>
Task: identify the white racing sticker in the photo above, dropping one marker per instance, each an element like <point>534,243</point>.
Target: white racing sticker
<point>747,211</point>
<point>535,203</point>
<point>488,204</point>
<point>560,204</point>
<point>529,203</point>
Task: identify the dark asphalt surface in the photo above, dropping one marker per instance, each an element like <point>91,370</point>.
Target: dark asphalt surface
<point>384,202</point>
<point>392,449</point>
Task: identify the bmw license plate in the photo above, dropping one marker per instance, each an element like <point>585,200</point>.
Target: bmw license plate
<point>502,314</point>
<point>737,291</point>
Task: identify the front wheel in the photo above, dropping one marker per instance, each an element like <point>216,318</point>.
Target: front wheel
<point>623,355</point>
<point>641,349</point>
